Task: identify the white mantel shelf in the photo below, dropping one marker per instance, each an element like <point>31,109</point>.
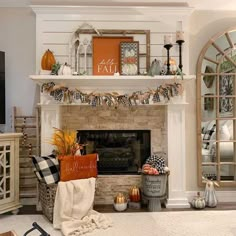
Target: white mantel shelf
<point>108,82</point>
<point>119,84</point>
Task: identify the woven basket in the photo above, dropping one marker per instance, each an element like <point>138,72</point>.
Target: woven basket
<point>47,193</point>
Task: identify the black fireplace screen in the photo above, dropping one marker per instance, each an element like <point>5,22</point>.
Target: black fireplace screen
<point>120,151</point>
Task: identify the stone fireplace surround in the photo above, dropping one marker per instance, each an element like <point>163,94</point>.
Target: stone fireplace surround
<point>166,122</point>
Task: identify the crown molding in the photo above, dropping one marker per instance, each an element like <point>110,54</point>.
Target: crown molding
<point>118,10</point>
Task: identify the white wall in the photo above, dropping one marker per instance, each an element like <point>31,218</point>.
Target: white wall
<point>203,26</point>
<point>55,27</point>
<point>17,39</point>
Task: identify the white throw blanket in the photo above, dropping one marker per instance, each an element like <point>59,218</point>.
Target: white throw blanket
<point>73,212</point>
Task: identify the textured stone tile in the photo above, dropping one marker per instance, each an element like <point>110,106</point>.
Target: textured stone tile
<point>141,117</point>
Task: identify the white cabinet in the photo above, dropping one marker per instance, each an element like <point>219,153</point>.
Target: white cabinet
<point>9,172</point>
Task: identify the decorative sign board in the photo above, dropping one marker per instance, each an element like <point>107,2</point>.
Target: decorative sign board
<point>106,54</point>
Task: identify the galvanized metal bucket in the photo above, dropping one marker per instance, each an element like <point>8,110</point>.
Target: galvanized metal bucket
<point>154,185</point>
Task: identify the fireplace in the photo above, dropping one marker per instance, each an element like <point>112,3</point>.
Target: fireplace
<point>120,151</point>
<point>166,124</point>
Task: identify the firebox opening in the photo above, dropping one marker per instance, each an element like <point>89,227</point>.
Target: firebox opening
<point>120,151</point>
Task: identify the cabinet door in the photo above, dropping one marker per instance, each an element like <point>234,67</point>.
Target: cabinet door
<point>6,172</point>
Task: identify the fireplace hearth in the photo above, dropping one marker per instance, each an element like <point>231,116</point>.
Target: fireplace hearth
<point>120,151</point>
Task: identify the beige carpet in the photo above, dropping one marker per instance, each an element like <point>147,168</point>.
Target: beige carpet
<point>182,223</point>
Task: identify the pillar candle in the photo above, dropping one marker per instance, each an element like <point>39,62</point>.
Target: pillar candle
<point>179,35</point>
<point>167,39</point>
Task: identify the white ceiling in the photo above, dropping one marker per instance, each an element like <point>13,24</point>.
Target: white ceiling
<point>197,4</point>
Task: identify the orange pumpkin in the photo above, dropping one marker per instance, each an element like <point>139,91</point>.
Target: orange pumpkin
<point>134,194</point>
<point>48,60</point>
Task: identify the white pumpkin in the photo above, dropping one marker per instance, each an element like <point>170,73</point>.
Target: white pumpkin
<point>65,70</point>
<point>198,202</point>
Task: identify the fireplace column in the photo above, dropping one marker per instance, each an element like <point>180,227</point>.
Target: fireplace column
<point>50,117</point>
<point>176,157</point>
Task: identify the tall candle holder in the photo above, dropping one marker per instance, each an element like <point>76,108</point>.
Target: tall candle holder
<point>180,41</point>
<point>168,47</point>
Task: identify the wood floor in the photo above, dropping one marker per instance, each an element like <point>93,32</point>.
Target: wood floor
<point>109,209</point>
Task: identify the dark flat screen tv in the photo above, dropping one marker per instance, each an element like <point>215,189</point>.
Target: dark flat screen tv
<point>2,89</point>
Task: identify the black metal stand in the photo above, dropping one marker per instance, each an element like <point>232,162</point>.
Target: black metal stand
<point>168,47</point>
<point>180,42</point>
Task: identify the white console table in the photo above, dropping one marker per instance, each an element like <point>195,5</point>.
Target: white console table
<point>9,172</point>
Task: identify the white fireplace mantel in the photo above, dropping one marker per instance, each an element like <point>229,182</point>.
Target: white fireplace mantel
<point>108,81</point>
<point>51,117</point>
<point>54,27</point>
<point>120,84</point>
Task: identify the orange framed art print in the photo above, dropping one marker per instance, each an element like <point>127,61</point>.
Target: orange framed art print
<point>106,54</point>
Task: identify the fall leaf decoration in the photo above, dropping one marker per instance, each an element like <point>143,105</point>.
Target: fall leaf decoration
<point>65,142</point>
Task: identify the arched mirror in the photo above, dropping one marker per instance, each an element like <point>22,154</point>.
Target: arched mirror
<point>216,110</point>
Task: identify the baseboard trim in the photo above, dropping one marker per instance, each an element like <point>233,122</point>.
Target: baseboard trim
<point>222,196</point>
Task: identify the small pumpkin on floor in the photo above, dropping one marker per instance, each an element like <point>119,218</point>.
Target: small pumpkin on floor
<point>120,202</point>
<point>198,202</point>
<point>134,194</point>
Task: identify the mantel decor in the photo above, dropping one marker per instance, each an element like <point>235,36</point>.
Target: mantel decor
<point>81,42</point>
<point>180,41</point>
<point>66,95</point>
<point>129,58</point>
<point>168,44</point>
<point>106,54</point>
<point>168,47</point>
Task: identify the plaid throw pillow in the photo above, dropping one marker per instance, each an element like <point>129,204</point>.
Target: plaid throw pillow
<point>46,169</point>
<point>207,136</point>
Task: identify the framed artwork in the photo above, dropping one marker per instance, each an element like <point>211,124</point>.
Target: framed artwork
<point>129,58</point>
<point>106,54</point>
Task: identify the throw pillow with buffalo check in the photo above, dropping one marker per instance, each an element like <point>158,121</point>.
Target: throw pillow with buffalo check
<point>46,168</point>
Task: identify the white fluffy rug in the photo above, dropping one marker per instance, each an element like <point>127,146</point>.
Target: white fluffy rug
<point>181,223</point>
